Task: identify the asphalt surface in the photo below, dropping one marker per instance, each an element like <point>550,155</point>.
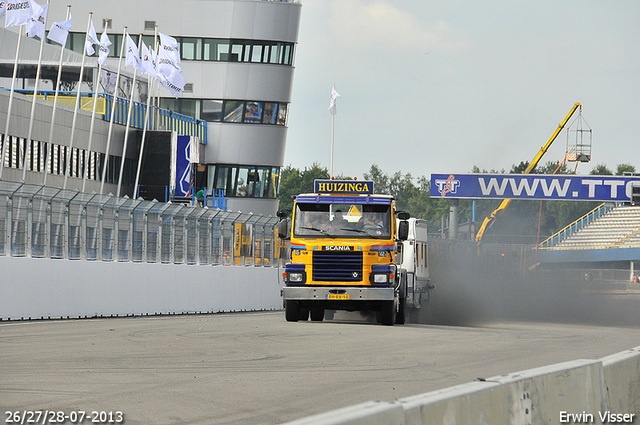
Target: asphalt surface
<point>255,368</point>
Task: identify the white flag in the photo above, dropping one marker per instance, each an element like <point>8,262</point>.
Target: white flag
<point>332,106</point>
<point>3,8</point>
<point>18,13</point>
<point>38,20</point>
<point>92,38</point>
<point>148,64</point>
<point>169,45</point>
<point>104,48</point>
<point>133,55</point>
<point>60,31</point>
<point>175,83</point>
<point>165,63</point>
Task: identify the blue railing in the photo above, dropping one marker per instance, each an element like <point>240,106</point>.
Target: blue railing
<point>160,119</point>
<point>574,227</point>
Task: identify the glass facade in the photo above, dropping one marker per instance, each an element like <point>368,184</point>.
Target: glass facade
<point>207,49</point>
<point>230,111</point>
<point>243,181</point>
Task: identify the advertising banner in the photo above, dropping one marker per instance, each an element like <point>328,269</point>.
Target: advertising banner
<point>535,186</point>
<point>185,155</point>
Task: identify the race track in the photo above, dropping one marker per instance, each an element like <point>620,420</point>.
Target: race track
<point>255,368</point>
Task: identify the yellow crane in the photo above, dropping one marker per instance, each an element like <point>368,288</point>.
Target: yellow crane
<point>489,220</point>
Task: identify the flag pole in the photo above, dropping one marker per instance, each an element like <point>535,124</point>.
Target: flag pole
<point>53,113</point>
<point>126,131</point>
<point>146,120</point>
<point>93,110</point>
<point>5,138</point>
<point>333,125</point>
<point>77,105</point>
<point>113,110</point>
<point>27,146</point>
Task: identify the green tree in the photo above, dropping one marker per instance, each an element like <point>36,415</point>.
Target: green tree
<point>294,182</point>
<point>625,168</point>
<point>600,170</point>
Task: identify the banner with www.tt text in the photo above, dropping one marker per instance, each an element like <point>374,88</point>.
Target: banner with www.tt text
<point>534,186</point>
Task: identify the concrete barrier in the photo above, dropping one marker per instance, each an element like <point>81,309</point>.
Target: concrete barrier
<point>580,391</point>
<point>47,288</point>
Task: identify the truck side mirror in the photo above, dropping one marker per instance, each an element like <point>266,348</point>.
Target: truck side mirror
<point>283,231</point>
<point>403,230</point>
<point>282,214</point>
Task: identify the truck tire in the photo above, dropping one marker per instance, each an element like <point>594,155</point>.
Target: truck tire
<point>387,313</point>
<point>317,314</point>
<point>400,316</point>
<point>291,310</point>
<point>304,314</point>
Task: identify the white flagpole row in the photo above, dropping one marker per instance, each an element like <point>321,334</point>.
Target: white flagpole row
<point>113,111</point>
<point>95,104</point>
<point>150,81</point>
<point>77,104</point>
<point>53,112</point>
<point>13,87</point>
<point>33,103</point>
<point>93,115</point>
<point>126,130</point>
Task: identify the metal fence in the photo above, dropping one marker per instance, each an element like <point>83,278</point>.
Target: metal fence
<point>45,222</point>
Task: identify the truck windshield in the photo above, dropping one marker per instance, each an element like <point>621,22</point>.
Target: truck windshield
<point>338,220</point>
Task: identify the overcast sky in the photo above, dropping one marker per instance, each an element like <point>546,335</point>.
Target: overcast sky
<point>438,86</point>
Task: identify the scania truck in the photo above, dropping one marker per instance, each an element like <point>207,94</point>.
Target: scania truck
<point>351,250</point>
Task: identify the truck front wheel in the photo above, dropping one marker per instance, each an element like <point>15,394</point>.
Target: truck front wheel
<point>388,312</point>
<point>291,310</point>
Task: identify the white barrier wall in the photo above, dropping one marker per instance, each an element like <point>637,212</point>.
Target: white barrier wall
<point>581,391</point>
<point>48,288</point>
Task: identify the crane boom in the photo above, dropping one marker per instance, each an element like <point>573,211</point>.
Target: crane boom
<point>489,220</point>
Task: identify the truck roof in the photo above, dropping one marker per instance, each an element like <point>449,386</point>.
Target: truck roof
<point>315,198</point>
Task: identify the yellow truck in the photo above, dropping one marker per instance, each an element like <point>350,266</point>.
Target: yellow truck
<point>351,250</point>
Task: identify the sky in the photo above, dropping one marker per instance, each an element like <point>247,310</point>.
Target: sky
<point>441,86</point>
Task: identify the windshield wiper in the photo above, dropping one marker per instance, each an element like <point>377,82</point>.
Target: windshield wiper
<point>363,232</point>
<point>324,232</point>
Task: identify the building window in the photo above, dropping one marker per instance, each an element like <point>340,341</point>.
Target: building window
<point>253,112</point>
<point>191,48</point>
<point>233,111</point>
<point>211,110</point>
<point>243,181</point>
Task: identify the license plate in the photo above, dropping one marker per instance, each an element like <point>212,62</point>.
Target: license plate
<point>337,296</point>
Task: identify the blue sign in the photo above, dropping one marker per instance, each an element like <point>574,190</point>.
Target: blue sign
<point>184,174</point>
<point>534,186</point>
<point>343,187</point>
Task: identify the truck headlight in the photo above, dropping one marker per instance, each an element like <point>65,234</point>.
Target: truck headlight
<point>296,277</point>
<point>380,278</point>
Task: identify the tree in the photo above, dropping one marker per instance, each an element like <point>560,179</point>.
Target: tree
<point>294,182</point>
<point>600,170</point>
<point>625,168</point>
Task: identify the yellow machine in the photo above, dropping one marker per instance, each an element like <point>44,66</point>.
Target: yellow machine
<point>489,220</point>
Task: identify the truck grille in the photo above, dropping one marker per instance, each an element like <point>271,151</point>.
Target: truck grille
<point>343,266</point>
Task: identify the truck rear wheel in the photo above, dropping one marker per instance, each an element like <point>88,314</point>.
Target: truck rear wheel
<point>388,313</point>
<point>291,310</point>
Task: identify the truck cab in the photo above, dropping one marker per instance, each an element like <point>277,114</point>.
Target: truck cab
<point>346,248</point>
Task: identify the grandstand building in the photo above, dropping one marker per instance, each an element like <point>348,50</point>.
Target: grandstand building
<point>238,59</point>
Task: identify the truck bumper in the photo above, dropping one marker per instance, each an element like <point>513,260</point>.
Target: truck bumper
<point>321,293</point>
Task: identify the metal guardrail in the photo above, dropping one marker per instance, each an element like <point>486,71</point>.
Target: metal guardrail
<point>160,119</point>
<point>572,228</point>
<point>44,222</point>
